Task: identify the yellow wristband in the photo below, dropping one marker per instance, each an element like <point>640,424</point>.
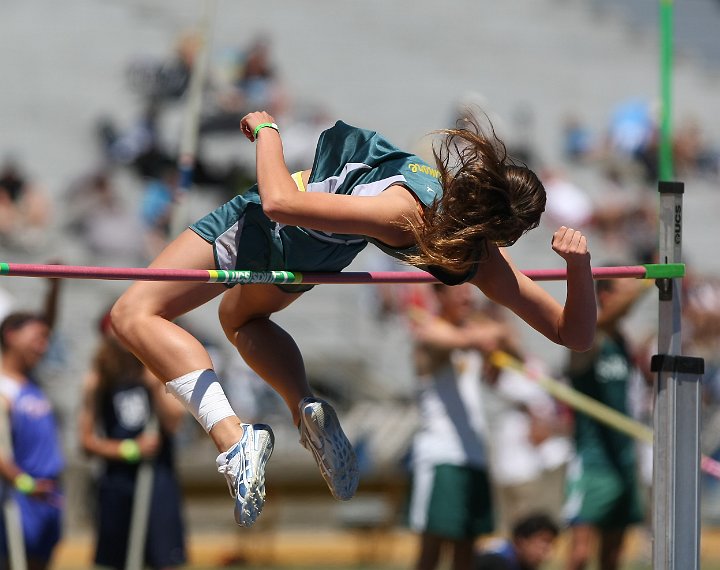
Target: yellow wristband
<point>24,483</point>
<point>262,126</point>
<point>130,450</point>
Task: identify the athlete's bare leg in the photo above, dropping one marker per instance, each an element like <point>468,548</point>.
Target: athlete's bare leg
<point>268,349</point>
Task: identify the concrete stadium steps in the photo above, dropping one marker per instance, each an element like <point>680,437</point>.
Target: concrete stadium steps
<point>696,25</point>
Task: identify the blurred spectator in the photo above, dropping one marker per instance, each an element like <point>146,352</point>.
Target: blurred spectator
<point>531,545</point>
<point>158,81</point>
<point>603,496</point>
<point>97,215</point>
<point>529,447</point>
<point>625,222</point>
<point>33,466</point>
<point>521,145</point>
<point>691,153</point>
<point>701,310</point>
<point>140,147</point>
<point>701,337</point>
<point>24,208</point>
<point>254,86</point>
<point>578,141</point>
<point>567,204</point>
<point>632,137</point>
<point>119,399</point>
<point>258,81</point>
<point>451,494</point>
<point>156,208</point>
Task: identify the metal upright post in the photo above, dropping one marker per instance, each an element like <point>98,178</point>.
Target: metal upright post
<point>676,464</point>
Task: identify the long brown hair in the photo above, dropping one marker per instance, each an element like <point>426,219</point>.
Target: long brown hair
<point>487,197</point>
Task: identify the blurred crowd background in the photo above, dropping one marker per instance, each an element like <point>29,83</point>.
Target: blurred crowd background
<point>93,100</point>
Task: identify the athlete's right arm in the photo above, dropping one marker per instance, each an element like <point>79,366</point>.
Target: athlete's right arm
<point>379,216</point>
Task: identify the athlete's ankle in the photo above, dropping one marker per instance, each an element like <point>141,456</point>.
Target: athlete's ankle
<point>226,433</point>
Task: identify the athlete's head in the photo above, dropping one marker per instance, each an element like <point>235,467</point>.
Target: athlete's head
<point>486,198</point>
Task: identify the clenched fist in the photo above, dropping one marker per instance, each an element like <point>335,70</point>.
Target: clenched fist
<point>252,120</point>
<point>571,245</point>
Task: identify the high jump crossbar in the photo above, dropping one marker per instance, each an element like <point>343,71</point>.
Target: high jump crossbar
<point>648,271</point>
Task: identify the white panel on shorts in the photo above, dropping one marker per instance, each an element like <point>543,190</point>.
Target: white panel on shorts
<point>226,245</point>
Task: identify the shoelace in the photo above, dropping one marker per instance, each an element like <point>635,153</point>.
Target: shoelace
<point>225,470</point>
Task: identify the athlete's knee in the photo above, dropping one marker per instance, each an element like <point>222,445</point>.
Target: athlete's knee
<point>233,321</point>
<point>121,317</point>
<point>126,317</point>
<point>239,330</point>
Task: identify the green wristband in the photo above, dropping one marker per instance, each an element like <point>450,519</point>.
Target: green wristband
<point>130,450</point>
<point>262,126</point>
<point>24,483</point>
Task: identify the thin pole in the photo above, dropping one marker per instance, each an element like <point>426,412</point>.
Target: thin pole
<point>189,139</point>
<point>666,77</point>
<point>10,509</point>
<point>142,501</point>
<point>650,271</point>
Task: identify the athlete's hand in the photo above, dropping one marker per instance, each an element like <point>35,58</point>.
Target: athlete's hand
<point>250,121</point>
<point>571,245</point>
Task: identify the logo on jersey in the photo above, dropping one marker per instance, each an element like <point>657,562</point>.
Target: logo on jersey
<point>424,169</point>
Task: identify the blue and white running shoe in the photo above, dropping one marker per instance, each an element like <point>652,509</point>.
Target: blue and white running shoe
<point>320,432</point>
<point>244,468</point>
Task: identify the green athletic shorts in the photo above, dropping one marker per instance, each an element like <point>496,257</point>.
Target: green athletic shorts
<point>244,238</point>
<point>451,501</point>
<point>603,496</point>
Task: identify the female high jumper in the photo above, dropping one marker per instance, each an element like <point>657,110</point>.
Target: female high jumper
<point>455,220</point>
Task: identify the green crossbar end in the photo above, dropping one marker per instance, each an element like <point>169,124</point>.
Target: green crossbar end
<point>664,270</point>
<point>4,269</point>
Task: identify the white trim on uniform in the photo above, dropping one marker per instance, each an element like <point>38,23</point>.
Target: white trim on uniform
<point>227,244</point>
<point>331,184</point>
<point>377,187</point>
<point>322,236</point>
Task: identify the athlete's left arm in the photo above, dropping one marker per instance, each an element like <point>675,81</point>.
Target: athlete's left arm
<point>572,325</point>
<point>379,216</point>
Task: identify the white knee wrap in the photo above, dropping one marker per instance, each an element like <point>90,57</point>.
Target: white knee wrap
<point>201,394</point>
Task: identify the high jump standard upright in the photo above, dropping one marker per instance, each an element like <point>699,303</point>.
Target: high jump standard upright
<point>676,446</point>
